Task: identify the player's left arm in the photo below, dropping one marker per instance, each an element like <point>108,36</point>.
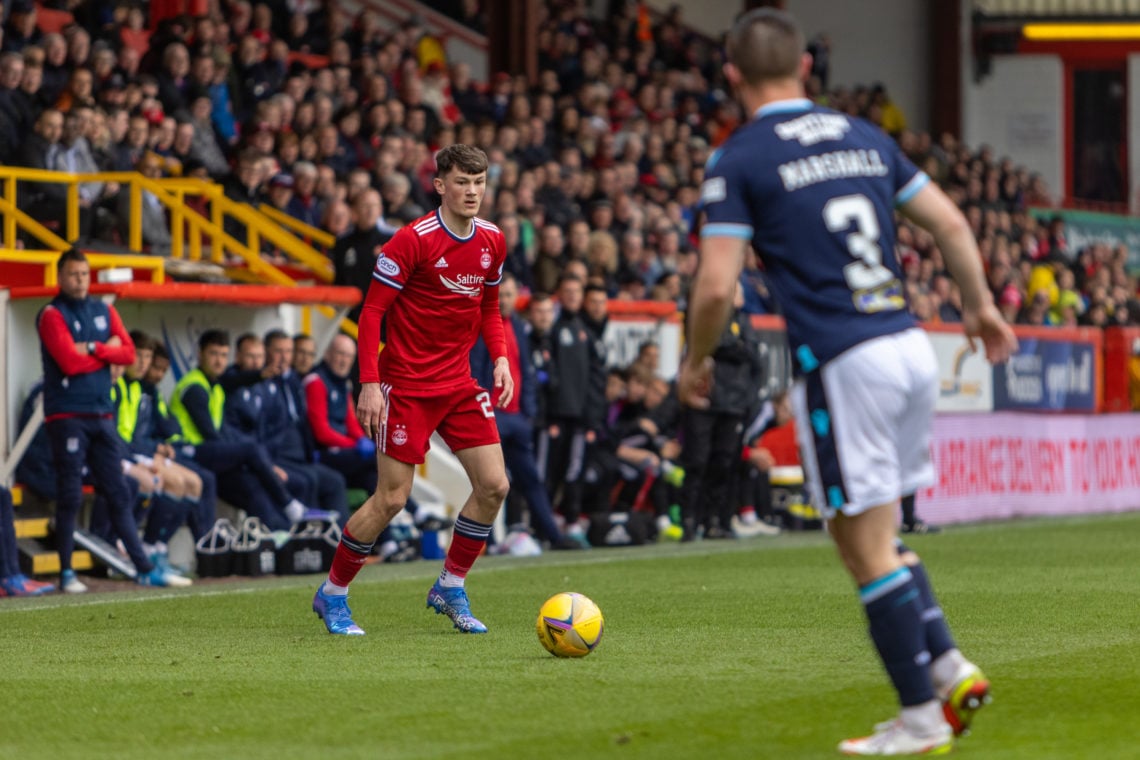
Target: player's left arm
<point>492,326</point>
<point>121,352</point>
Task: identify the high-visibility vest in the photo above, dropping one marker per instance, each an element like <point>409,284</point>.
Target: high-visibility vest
<point>190,432</point>
<point>130,397</point>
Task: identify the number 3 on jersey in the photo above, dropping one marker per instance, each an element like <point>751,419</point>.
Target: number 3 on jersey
<point>867,271</point>
<point>486,405</point>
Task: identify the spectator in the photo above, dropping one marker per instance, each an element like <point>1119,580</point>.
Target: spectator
<point>551,258</point>
<point>514,420</point>
<point>131,149</point>
<point>152,217</point>
<point>47,201</point>
<point>244,186</point>
<point>81,338</point>
<point>303,205</point>
<point>568,417</point>
<point>354,255</point>
<point>21,31</point>
<point>56,72</point>
<point>204,145</point>
<point>712,440</point>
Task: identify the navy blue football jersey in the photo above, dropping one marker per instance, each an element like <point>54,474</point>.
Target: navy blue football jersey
<point>814,191</point>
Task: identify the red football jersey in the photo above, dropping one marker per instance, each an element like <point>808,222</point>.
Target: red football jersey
<point>439,310</point>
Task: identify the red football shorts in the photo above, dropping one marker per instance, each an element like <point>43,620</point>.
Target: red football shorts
<point>465,418</point>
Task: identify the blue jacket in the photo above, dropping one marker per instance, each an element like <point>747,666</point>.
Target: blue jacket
<point>482,369</point>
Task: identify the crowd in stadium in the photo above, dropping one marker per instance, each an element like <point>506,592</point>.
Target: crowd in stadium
<point>599,161</point>
<point>594,179</point>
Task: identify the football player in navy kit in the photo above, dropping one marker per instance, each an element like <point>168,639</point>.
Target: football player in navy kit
<point>814,192</point>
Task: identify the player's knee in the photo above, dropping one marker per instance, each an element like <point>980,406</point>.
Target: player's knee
<point>173,486</point>
<point>386,503</point>
<point>147,482</point>
<point>493,491</point>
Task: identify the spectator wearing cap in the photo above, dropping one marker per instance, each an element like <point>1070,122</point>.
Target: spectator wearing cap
<point>281,191</point>
<point>112,91</point>
<point>21,31</point>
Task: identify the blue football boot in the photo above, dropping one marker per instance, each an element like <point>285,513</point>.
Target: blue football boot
<point>335,612</point>
<point>453,603</point>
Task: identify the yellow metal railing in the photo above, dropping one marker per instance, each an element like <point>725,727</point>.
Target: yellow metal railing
<point>47,260</point>
<point>190,228</point>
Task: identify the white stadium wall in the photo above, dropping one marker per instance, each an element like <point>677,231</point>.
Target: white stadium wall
<point>1017,110</point>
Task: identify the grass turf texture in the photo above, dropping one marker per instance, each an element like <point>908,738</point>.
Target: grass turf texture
<point>715,649</point>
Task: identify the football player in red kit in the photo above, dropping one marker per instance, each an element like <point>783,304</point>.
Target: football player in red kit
<point>436,288</point>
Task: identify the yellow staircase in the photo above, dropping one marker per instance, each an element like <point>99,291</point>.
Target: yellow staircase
<point>32,527</point>
<point>198,213</point>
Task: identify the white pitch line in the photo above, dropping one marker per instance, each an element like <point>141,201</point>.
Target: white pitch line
<point>499,564</point>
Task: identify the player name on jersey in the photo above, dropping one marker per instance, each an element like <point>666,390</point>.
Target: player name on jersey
<point>838,164</point>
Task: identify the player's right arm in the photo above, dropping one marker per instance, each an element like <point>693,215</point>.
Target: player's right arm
<point>71,357</point>
<point>393,267</point>
<point>724,242</point>
<point>932,209</point>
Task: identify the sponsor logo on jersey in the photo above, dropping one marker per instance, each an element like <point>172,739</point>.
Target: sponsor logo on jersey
<point>441,264</point>
<point>713,191</point>
<point>485,259</point>
<point>814,128</point>
<point>465,285</point>
<point>385,265</point>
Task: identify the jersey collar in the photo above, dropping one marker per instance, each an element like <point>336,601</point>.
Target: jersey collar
<point>792,105</point>
<point>448,230</point>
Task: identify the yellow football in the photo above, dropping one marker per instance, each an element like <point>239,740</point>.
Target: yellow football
<point>569,625</point>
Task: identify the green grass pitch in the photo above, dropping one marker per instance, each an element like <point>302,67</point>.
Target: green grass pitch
<point>750,649</point>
